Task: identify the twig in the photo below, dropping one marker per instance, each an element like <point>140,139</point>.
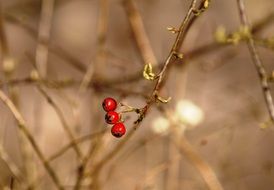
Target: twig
<point>174,55</point>
<point>53,47</point>
<point>173,52</point>
<point>70,144</point>
<point>139,32</point>
<point>192,156</point>
<point>9,67</point>
<point>258,26</point>
<point>11,186</point>
<point>91,156</point>
<point>13,168</point>
<point>176,46</point>
<point>130,151</point>
<point>43,36</point>
<point>45,82</point>
<point>102,27</point>
<point>42,47</point>
<point>22,126</point>
<point>257,61</point>
<point>63,121</point>
<point>153,172</point>
<point>3,36</point>
<point>212,46</point>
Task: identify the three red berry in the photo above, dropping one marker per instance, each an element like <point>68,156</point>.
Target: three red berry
<point>112,117</point>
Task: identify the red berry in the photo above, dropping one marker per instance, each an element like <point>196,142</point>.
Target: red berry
<point>112,117</point>
<point>109,104</point>
<point>118,130</point>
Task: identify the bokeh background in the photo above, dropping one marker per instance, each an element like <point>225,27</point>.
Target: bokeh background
<point>61,38</point>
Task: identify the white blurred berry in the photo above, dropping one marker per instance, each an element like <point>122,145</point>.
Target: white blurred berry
<point>189,113</point>
<point>160,126</point>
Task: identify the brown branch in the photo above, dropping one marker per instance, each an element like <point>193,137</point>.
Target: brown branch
<point>16,173</point>
<point>171,57</point>
<point>63,121</point>
<point>194,158</point>
<point>212,46</point>
<point>96,170</point>
<point>9,68</point>
<point>139,32</point>
<point>257,61</point>
<point>22,126</point>
<point>148,179</point>
<point>186,149</point>
<point>42,48</point>
<point>93,149</point>
<point>73,61</point>
<point>71,144</point>
<point>102,27</point>
<point>130,151</point>
<point>3,36</point>
<point>173,54</point>
<point>45,82</point>
<point>53,47</point>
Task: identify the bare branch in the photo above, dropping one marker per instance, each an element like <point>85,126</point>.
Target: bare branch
<point>12,166</point>
<point>175,48</point>
<point>43,36</point>
<point>22,125</point>
<point>63,121</point>
<point>71,144</point>
<point>190,154</point>
<point>257,61</point>
<point>139,32</point>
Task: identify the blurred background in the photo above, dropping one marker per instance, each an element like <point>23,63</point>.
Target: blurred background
<point>61,58</point>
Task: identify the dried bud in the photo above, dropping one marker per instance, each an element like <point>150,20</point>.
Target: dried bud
<point>8,65</point>
<point>34,75</point>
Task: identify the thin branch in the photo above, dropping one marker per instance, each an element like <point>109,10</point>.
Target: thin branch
<point>102,28</point>
<point>130,151</point>
<point>17,174</point>
<point>71,144</point>
<point>3,36</point>
<point>139,32</point>
<point>257,61</point>
<point>53,47</point>
<point>194,158</point>
<point>148,179</point>
<point>173,54</point>
<point>22,125</point>
<point>44,36</point>
<point>93,149</point>
<point>73,61</point>
<point>63,121</point>
<point>176,46</point>
<point>186,149</point>
<point>212,46</point>
<point>9,68</point>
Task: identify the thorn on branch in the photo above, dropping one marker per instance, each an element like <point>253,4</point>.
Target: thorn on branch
<point>178,55</point>
<point>161,99</point>
<point>172,30</point>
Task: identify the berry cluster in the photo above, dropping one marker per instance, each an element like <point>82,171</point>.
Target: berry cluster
<point>112,117</point>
